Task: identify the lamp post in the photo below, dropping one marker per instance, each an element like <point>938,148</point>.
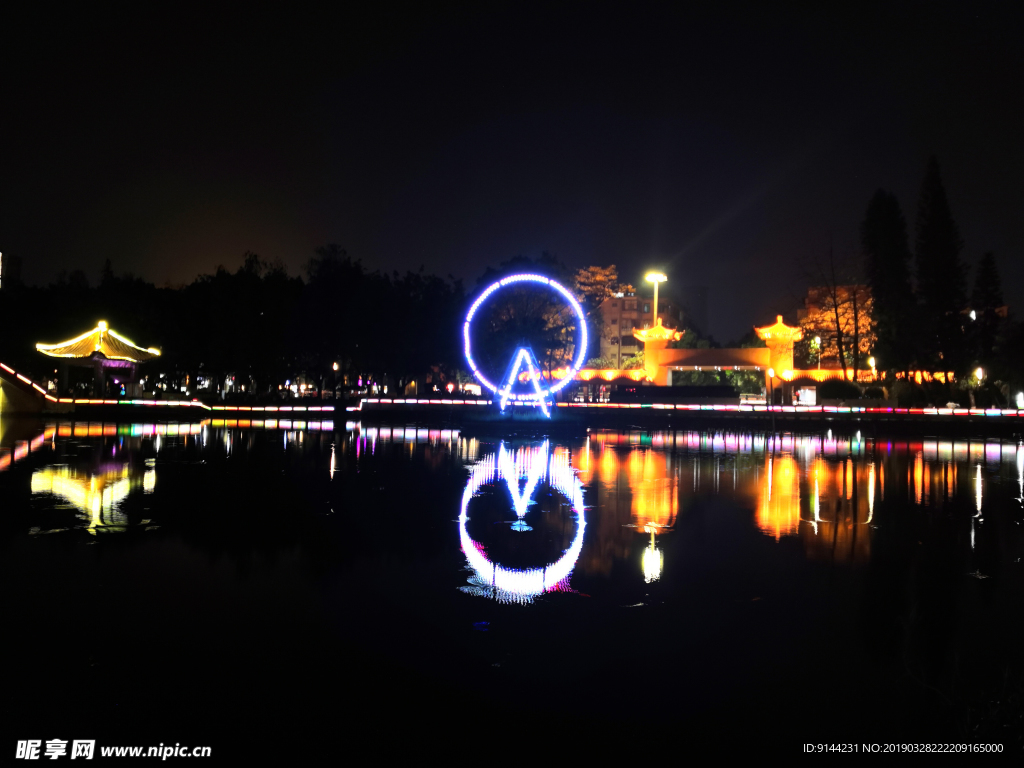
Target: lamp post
<point>655,277</point>
<point>771,397</point>
<point>979,374</point>
<point>817,343</point>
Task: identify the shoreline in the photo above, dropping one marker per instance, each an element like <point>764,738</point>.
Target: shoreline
<point>582,416</point>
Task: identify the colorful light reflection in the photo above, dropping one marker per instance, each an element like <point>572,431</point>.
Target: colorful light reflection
<point>533,465</point>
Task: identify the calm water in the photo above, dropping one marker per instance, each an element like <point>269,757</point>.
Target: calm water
<point>276,586</point>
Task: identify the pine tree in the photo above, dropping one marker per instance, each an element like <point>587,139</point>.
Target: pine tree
<point>940,271</point>
<point>887,268</point>
<point>107,274</point>
<point>988,291</point>
<point>987,324</point>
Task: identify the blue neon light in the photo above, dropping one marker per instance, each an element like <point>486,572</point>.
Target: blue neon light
<point>541,393</point>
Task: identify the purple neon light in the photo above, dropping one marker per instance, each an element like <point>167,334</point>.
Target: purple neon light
<point>506,393</point>
<point>570,299</point>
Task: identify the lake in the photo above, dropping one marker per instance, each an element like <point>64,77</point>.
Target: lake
<point>294,586</point>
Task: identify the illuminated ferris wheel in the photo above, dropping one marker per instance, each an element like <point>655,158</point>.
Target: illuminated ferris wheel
<point>523,362</point>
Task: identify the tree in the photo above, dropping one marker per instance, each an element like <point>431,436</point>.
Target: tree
<point>78,281</point>
<point>887,266</point>
<point>378,325</point>
<point>595,284</point>
<point>988,290</point>
<point>107,274</point>
<point>841,314</point>
<point>843,320</point>
<point>987,312</point>
<point>940,271</point>
<point>592,286</point>
<point>526,313</point>
<point>633,362</point>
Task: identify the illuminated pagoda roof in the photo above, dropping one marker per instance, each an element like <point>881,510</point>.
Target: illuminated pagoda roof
<point>779,331</point>
<point>101,340</point>
<point>657,332</point>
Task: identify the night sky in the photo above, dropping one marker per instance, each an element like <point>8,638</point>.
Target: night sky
<point>728,146</point>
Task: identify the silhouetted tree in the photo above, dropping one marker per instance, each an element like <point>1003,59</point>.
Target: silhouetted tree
<point>940,271</point>
<point>78,281</point>
<point>988,289</point>
<point>988,313</point>
<point>107,273</point>
<point>887,268</point>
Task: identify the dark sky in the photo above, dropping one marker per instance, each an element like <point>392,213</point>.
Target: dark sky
<point>729,145</point>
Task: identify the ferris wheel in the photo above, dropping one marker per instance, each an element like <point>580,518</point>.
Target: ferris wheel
<point>523,357</point>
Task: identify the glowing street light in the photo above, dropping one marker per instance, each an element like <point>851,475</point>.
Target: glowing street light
<point>817,343</point>
<point>871,362</point>
<point>655,277</point>
<point>979,374</point>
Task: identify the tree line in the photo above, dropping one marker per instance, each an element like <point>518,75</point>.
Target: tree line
<point>262,326</point>
<point>258,323</point>
<point>911,309</point>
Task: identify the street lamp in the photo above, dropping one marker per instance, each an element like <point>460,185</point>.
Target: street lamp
<point>771,386</point>
<point>655,277</point>
<point>979,374</point>
<point>817,343</point>
<point>871,362</point>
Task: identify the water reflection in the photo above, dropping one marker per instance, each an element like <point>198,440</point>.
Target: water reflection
<point>97,495</point>
<point>778,509</point>
<point>826,494</point>
<point>532,466</point>
<point>20,437</point>
<point>653,561</point>
<point>95,468</point>
<point>823,489</point>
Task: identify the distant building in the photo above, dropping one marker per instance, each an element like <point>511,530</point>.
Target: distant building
<point>10,271</point>
<point>626,310</point>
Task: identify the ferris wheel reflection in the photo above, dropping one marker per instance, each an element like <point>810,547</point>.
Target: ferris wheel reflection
<point>534,465</point>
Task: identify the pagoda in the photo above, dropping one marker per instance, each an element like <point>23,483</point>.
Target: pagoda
<point>655,339</point>
<point>101,349</point>
<point>779,338</point>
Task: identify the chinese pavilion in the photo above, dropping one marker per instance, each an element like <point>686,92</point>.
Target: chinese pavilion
<point>101,349</point>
